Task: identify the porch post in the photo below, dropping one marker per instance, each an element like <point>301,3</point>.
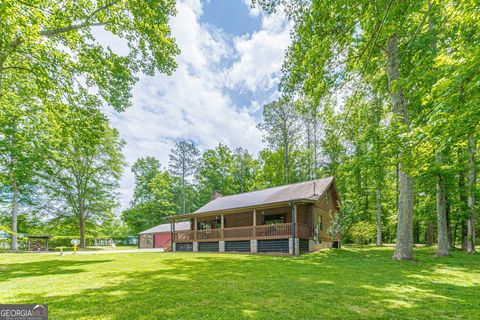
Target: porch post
<point>293,243</point>
<point>195,225</point>
<point>195,243</point>
<point>254,241</point>
<point>172,232</point>
<point>222,226</point>
<point>221,242</point>
<point>254,223</point>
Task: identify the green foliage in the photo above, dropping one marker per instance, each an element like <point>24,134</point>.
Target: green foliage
<point>66,241</point>
<point>144,170</point>
<point>84,163</point>
<point>362,232</point>
<point>47,38</point>
<point>5,229</point>
<point>337,64</point>
<point>153,198</point>
<point>183,163</point>
<point>6,243</point>
<point>50,59</point>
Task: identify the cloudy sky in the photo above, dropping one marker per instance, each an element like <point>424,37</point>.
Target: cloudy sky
<point>228,68</point>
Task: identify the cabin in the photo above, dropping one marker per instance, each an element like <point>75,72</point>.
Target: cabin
<point>160,236</point>
<point>290,219</point>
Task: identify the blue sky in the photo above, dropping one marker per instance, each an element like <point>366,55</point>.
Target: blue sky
<point>229,66</point>
<point>232,16</point>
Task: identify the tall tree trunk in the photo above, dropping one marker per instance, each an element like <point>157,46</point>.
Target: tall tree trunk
<point>183,193</point>
<point>2,61</point>
<point>15,197</point>
<point>464,235</point>
<point>286,163</point>
<point>83,242</point>
<point>430,236</point>
<point>404,243</point>
<point>309,150</point>
<point>463,202</point>
<point>451,242</point>
<point>397,182</point>
<point>315,124</point>
<point>442,233</point>
<point>379,218</point>
<point>454,235</point>
<point>472,180</point>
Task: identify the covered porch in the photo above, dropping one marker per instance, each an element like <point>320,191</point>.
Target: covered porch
<point>293,221</point>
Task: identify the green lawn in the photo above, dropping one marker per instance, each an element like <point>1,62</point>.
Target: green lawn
<point>350,283</point>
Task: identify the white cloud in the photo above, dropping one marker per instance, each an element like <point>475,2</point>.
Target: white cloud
<point>193,103</point>
<point>253,11</point>
<point>261,55</point>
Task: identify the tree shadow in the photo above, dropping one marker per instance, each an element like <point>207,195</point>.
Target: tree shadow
<point>44,268</point>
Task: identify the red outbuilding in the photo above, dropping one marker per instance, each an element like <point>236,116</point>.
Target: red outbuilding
<point>159,236</point>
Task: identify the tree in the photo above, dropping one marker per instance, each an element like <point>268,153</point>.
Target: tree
<point>48,50</point>
<point>153,196</point>
<point>53,42</point>
<point>344,45</point>
<point>183,162</point>
<point>144,170</point>
<point>404,243</point>
<point>472,182</point>
<point>244,170</point>
<point>280,123</point>
<point>85,162</point>
<point>215,172</point>
<point>22,149</point>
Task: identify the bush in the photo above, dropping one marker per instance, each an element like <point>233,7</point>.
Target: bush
<point>60,241</point>
<point>65,241</point>
<point>363,232</point>
<point>5,243</point>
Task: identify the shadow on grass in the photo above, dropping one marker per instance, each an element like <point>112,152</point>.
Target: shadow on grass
<point>345,284</point>
<point>44,268</point>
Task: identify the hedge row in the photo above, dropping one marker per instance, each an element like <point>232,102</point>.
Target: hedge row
<point>65,241</point>
<point>59,241</point>
<point>5,243</point>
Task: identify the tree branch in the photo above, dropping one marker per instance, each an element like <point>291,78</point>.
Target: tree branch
<point>19,68</point>
<point>53,32</point>
<point>34,6</point>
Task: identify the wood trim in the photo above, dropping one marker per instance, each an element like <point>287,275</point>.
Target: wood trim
<point>261,232</point>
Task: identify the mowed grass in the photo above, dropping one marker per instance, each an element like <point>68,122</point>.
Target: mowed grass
<point>352,283</point>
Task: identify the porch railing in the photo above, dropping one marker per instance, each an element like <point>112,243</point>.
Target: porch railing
<point>262,232</point>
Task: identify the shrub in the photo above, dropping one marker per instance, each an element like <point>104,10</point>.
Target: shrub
<point>5,243</point>
<point>363,232</point>
<point>59,241</point>
<point>65,241</point>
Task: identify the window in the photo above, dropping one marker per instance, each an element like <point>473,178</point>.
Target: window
<point>203,226</point>
<point>213,224</point>
<point>273,219</point>
<point>320,222</point>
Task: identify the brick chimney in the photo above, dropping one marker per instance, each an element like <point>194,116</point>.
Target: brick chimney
<point>216,195</point>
